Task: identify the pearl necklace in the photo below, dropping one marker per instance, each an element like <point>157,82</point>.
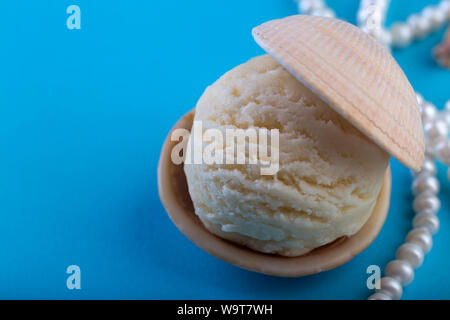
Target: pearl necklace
<point>371,15</point>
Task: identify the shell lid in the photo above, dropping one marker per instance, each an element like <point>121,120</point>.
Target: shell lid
<point>355,75</point>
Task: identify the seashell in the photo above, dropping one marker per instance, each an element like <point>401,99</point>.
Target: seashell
<point>355,75</point>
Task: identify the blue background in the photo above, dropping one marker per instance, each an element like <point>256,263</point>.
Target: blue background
<point>83,115</point>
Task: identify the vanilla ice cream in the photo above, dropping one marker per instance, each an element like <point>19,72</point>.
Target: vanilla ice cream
<point>329,173</point>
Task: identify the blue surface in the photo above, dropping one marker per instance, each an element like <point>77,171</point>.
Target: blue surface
<point>83,115</point>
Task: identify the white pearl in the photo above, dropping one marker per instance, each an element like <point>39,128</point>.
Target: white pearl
<point>411,253</point>
<point>425,183</point>
<point>383,3</point>
<point>429,168</point>
<point>435,131</point>
<point>363,15</point>
<point>400,270</point>
<point>365,29</point>
<point>445,116</point>
<point>427,221</point>
<point>382,35</point>
<point>429,151</point>
<point>429,112</point>
<point>419,98</point>
<point>426,201</point>
<point>380,5</point>
<point>435,15</point>
<point>385,37</point>
<point>445,7</point>
<point>442,151</point>
<point>308,6</point>
<point>379,296</point>
<point>420,25</point>
<point>391,287</point>
<point>366,3</point>
<point>401,36</point>
<point>327,13</point>
<point>446,113</point>
<point>374,19</point>
<point>421,237</point>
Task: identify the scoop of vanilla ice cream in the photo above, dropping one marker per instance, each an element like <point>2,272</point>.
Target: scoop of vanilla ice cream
<point>329,174</point>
